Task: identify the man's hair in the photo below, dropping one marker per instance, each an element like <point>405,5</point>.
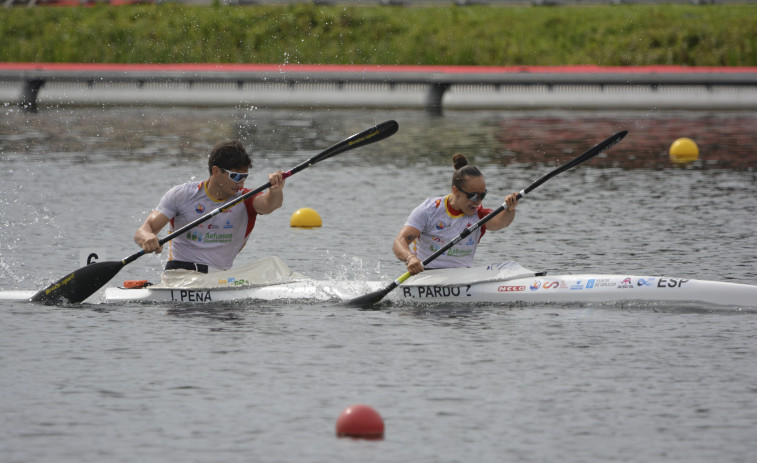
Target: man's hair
<point>229,155</point>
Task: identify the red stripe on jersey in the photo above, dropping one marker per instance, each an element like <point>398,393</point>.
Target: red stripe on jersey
<point>482,212</point>
<point>252,214</point>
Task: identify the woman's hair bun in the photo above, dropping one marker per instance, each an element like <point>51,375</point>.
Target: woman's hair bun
<point>459,161</point>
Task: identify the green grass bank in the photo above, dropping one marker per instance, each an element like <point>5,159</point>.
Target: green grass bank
<point>712,35</point>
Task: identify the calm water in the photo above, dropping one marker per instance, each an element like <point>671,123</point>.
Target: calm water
<point>266,382</point>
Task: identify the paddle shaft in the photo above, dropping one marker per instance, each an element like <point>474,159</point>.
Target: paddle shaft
<point>372,298</point>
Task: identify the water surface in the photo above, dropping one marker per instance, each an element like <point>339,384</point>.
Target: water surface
<point>265,382</point>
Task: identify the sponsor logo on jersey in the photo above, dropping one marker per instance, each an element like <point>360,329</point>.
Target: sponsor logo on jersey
<point>459,252</point>
<point>218,237</point>
<point>193,236</point>
<point>200,208</point>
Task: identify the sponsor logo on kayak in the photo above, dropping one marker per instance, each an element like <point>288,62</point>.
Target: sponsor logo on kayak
<point>590,283</point>
<point>507,289</point>
<point>554,284</point>
<point>604,282</point>
<point>231,281</point>
<point>627,283</point>
<point>535,285</point>
<point>645,282</point>
<point>427,292</point>
<point>577,286</point>
<point>671,282</point>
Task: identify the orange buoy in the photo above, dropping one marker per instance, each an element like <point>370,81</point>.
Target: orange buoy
<point>360,421</point>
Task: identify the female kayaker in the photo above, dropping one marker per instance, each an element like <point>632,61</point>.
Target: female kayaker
<point>439,220</point>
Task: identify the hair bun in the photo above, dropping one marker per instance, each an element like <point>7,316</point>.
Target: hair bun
<point>459,161</point>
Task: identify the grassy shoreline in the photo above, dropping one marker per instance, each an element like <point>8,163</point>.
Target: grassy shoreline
<point>722,35</point>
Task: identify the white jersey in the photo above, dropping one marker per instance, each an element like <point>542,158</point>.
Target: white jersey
<point>215,242</point>
<point>439,224</point>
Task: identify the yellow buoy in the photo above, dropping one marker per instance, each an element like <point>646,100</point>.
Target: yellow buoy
<point>684,150</point>
<point>305,218</point>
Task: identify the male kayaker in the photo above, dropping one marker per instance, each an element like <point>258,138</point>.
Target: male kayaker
<point>437,221</point>
<point>213,244</point>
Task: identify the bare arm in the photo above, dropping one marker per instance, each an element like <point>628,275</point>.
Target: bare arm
<point>146,236</point>
<point>274,197</point>
<point>401,248</point>
<point>506,217</point>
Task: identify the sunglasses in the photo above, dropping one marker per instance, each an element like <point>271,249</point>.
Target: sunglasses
<point>235,176</point>
<point>475,197</point>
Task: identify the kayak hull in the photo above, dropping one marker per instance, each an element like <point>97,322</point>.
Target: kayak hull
<point>589,288</point>
<point>541,289</point>
<point>453,286</point>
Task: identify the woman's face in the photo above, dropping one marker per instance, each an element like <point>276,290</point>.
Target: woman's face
<point>468,197</point>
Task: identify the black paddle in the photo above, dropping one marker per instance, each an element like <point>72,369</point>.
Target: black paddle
<point>368,300</point>
<point>82,283</point>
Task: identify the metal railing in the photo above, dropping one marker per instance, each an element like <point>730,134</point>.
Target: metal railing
<point>437,80</point>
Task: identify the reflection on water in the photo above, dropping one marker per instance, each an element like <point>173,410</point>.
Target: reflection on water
<point>725,140</point>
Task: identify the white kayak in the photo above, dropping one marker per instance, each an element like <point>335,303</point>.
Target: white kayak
<point>542,289</point>
<point>499,283</point>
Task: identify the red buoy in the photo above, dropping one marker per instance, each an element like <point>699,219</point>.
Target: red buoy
<point>360,421</point>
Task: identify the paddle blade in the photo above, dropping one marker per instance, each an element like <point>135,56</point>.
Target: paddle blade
<point>367,301</point>
<point>80,284</point>
<point>366,137</point>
